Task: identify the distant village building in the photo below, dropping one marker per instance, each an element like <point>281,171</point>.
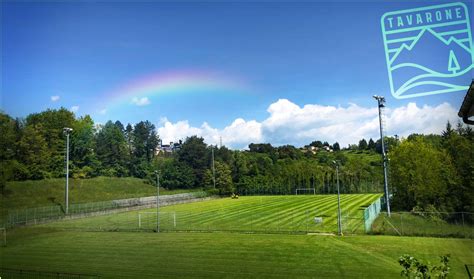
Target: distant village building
<point>314,149</point>
<point>168,148</point>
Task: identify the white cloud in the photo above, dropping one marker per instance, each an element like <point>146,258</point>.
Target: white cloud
<point>289,123</point>
<point>55,98</point>
<point>74,108</point>
<point>103,111</point>
<point>141,101</point>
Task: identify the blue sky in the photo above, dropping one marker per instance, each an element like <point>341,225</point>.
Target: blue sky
<point>326,54</point>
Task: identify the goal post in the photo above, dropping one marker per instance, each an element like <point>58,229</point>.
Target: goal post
<point>147,219</point>
<point>306,191</point>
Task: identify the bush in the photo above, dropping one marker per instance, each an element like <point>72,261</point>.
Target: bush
<point>413,268</point>
<point>212,192</point>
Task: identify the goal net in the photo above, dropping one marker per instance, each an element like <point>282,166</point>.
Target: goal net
<point>306,191</point>
<point>153,220</point>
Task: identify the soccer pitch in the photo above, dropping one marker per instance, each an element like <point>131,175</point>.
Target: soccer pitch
<point>250,214</point>
<point>132,252</point>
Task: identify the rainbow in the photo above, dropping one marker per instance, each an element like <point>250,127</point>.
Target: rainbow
<point>179,82</point>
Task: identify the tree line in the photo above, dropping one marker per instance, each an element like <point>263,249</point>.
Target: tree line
<point>427,172</point>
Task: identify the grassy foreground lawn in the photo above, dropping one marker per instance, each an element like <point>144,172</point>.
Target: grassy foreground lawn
<point>217,255</point>
<point>37,193</point>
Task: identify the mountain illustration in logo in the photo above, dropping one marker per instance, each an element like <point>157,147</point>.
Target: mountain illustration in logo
<point>414,65</point>
<point>420,52</point>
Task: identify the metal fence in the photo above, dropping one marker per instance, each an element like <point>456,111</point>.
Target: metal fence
<point>7,273</point>
<point>438,224</point>
<point>371,213</point>
<point>246,221</point>
<point>38,215</point>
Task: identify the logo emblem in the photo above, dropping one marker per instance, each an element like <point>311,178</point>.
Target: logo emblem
<point>428,50</point>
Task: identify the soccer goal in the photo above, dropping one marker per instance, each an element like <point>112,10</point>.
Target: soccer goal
<point>306,191</point>
<point>3,235</point>
<point>150,220</point>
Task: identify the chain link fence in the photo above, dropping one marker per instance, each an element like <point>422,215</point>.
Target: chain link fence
<point>437,224</point>
<point>285,221</point>
<point>33,216</point>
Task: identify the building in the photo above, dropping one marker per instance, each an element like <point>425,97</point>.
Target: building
<point>466,112</point>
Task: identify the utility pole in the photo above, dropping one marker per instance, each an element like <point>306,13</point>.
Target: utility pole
<point>381,105</point>
<point>157,201</point>
<point>339,221</point>
<point>213,168</point>
<point>67,131</point>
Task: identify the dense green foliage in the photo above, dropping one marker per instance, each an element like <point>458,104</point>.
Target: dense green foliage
<point>434,173</point>
<point>35,149</point>
<point>414,268</point>
<point>427,172</point>
<point>230,255</point>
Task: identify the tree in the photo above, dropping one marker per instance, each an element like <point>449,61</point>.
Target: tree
<point>288,151</point>
<point>223,178</point>
<point>390,142</point>
<point>8,140</point>
<point>261,148</point>
<point>52,123</point>
<point>461,151</point>
<point>129,138</point>
<point>371,144</point>
<point>145,141</point>
<point>34,153</point>
<point>448,132</point>
<point>363,144</point>
<point>176,175</point>
<point>111,149</point>
<point>194,153</point>
<point>82,153</point>
<point>422,176</point>
<point>336,146</point>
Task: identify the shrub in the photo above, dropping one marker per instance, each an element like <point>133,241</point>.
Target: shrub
<point>413,268</point>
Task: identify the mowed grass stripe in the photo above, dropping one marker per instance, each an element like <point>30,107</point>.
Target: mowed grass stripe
<point>265,213</point>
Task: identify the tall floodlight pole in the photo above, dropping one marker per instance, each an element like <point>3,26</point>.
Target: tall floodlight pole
<point>67,131</point>
<point>339,221</point>
<point>213,168</point>
<point>157,201</point>
<point>381,104</point>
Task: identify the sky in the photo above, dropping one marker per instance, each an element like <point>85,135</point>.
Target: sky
<point>279,72</point>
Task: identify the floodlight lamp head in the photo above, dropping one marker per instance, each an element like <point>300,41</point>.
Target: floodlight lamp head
<point>67,130</point>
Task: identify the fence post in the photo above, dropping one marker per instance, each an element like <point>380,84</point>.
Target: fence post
<point>462,215</point>
<point>401,222</point>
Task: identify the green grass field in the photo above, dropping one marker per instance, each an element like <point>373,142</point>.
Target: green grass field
<point>251,213</point>
<point>218,255</point>
<point>47,192</point>
<point>71,246</point>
